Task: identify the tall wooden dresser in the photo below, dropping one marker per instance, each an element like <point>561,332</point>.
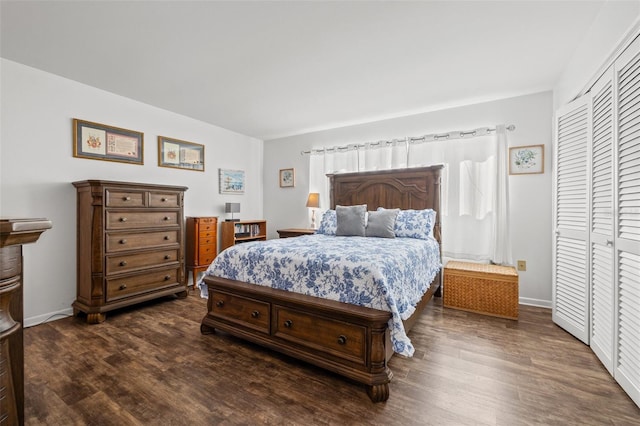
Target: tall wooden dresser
<point>129,245</point>
<point>13,234</point>
<point>202,244</point>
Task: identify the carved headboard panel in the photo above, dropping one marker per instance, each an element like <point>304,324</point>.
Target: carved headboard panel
<point>410,188</point>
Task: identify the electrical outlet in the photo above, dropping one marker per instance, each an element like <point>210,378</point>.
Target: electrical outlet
<point>522,265</point>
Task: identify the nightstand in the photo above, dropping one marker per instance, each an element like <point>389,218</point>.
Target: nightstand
<point>295,232</point>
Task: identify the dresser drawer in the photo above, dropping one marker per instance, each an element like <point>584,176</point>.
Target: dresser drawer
<point>320,333</point>
<point>207,241</point>
<point>131,262</point>
<point>120,198</point>
<point>118,288</point>
<point>206,259</point>
<point>123,241</point>
<point>164,199</point>
<point>206,252</point>
<point>207,227</point>
<point>240,310</point>
<point>140,219</point>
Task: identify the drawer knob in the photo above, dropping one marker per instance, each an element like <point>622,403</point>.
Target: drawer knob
<point>123,263</point>
<point>167,218</point>
<point>288,323</point>
<point>123,241</point>
<point>123,219</point>
<point>167,277</point>
<point>167,257</point>
<point>163,199</point>
<point>126,198</point>
<point>220,303</point>
<point>166,237</point>
<point>255,314</point>
<point>342,339</point>
<point>123,286</point>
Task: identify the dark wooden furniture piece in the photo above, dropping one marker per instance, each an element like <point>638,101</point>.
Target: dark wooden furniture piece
<point>202,244</point>
<point>350,340</point>
<point>13,234</point>
<point>129,245</point>
<point>295,232</point>
<point>242,231</point>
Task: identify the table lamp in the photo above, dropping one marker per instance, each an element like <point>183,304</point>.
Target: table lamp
<point>313,202</point>
<point>232,208</point>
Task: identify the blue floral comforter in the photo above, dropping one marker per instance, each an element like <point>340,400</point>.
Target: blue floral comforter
<point>390,274</point>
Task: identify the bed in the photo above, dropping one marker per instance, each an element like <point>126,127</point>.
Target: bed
<point>351,340</point>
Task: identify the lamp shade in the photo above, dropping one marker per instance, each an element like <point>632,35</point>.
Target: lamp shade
<point>232,207</point>
<point>313,200</point>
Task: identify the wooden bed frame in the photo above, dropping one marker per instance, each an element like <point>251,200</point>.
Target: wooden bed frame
<point>350,340</point>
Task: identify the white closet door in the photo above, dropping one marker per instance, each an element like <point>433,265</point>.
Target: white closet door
<point>601,238</point>
<point>571,299</point>
<point>627,226</point>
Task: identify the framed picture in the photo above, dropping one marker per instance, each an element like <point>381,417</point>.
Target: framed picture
<point>231,181</point>
<point>101,142</point>
<point>180,154</point>
<point>287,178</point>
<point>526,160</point>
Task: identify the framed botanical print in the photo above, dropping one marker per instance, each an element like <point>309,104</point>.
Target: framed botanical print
<point>526,160</point>
<point>287,178</point>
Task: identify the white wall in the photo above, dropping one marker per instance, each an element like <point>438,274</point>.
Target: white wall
<point>614,24</point>
<point>530,194</point>
<point>37,167</point>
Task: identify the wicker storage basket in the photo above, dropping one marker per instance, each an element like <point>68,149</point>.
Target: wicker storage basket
<point>485,289</point>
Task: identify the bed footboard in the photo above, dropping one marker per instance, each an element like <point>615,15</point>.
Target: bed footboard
<point>346,339</point>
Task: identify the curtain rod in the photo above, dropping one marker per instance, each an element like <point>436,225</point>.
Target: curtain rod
<point>416,139</point>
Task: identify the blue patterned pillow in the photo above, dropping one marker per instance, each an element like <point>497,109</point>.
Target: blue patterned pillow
<point>328,224</point>
<point>414,223</point>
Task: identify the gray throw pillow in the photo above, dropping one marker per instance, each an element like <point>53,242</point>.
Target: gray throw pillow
<point>351,220</point>
<point>381,223</point>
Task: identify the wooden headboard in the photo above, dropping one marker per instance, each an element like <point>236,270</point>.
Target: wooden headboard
<point>410,188</point>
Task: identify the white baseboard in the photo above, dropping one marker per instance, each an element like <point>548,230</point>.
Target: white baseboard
<point>535,302</point>
<point>52,316</point>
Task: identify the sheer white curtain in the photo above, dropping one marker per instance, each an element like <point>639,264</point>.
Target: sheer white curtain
<point>475,205</point>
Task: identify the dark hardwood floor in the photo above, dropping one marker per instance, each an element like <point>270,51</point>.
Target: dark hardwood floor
<point>149,365</point>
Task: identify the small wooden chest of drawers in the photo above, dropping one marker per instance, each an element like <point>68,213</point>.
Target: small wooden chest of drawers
<point>202,244</point>
<point>129,245</point>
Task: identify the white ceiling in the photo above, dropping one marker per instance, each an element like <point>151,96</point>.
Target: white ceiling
<point>272,69</point>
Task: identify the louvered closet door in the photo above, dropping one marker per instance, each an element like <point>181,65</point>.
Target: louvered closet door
<point>571,219</point>
<point>627,227</point>
<point>601,238</point>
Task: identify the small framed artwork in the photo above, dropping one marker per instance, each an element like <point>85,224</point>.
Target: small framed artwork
<point>180,154</point>
<point>101,142</point>
<point>287,178</point>
<point>231,181</point>
<point>526,160</point>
